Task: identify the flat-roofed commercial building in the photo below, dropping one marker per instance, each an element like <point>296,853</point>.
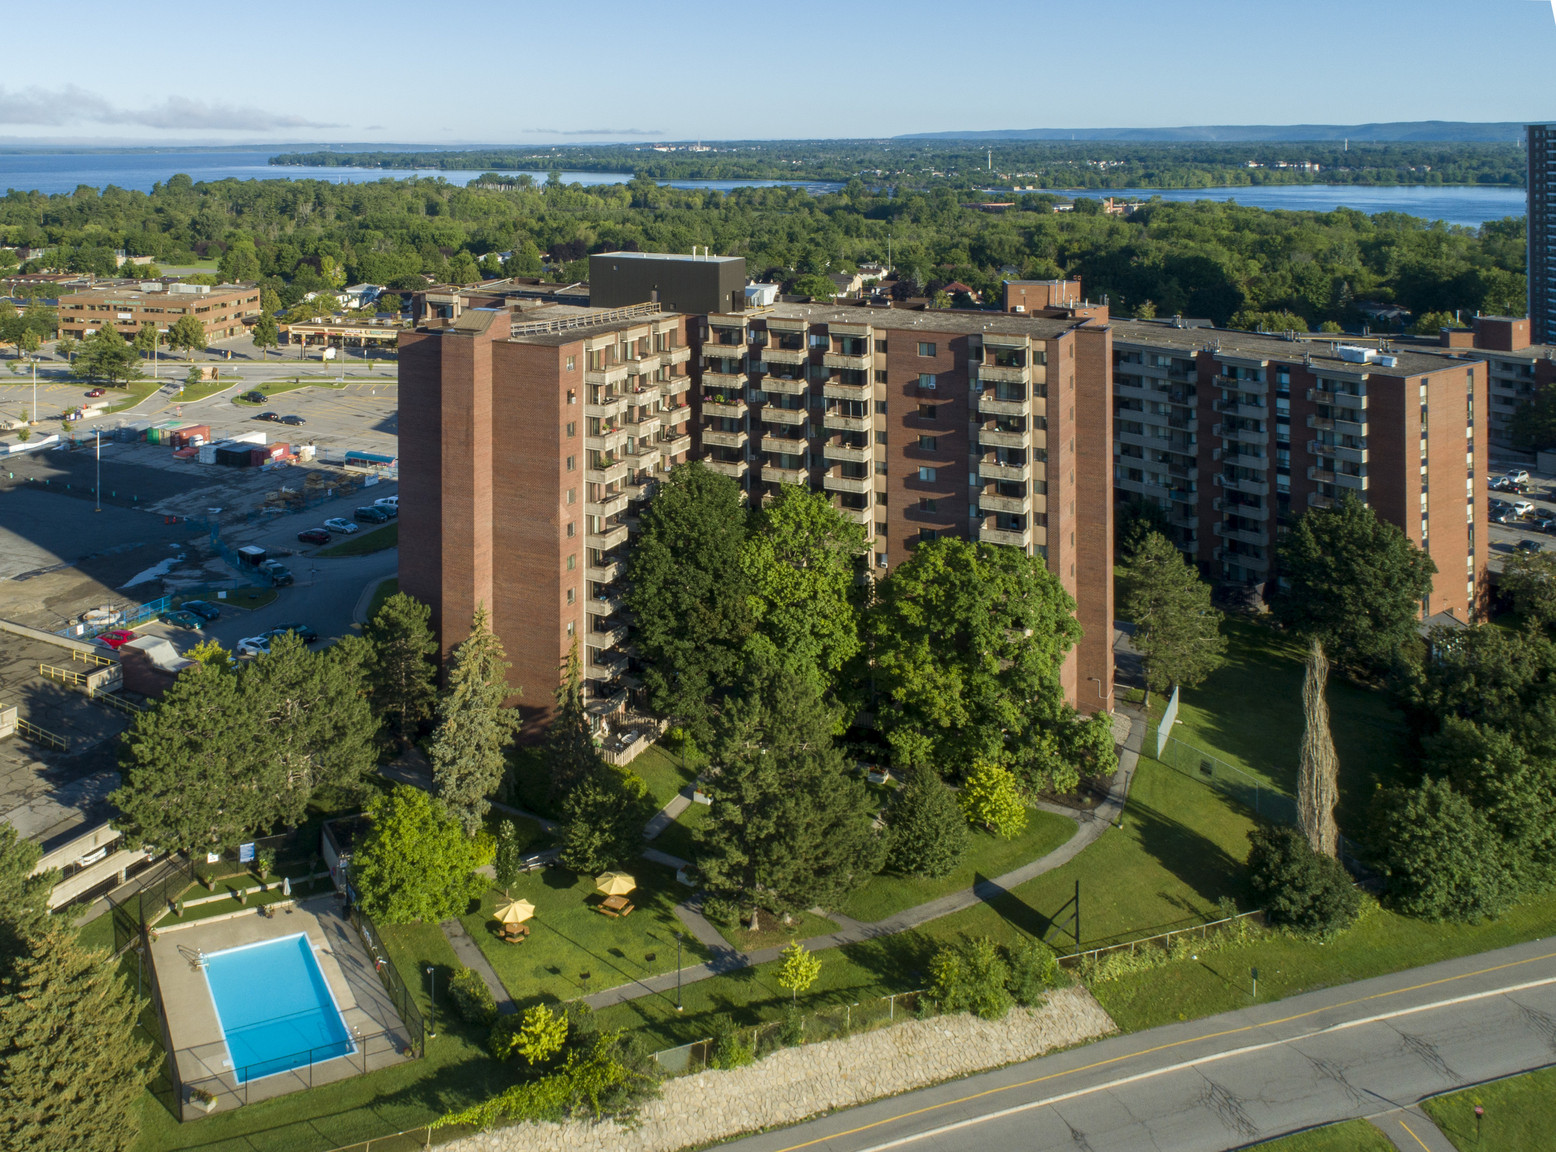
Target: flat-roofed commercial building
<point>223,310</point>
<point>1236,434</point>
<point>918,424</point>
<point>1542,233</point>
<point>527,441</point>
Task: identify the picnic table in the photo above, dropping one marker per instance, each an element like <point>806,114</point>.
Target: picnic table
<point>515,933</point>
<point>616,906</point>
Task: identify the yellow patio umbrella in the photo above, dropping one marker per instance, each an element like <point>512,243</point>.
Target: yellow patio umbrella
<point>514,912</point>
<point>615,883</point>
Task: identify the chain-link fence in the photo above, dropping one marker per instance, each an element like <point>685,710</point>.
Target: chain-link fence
<point>394,983</point>
<point>1257,795</point>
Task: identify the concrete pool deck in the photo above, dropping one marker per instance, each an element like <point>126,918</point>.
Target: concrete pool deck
<point>195,1034</point>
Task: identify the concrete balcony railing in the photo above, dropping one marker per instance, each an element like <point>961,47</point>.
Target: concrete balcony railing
<point>605,664</point>
<point>1246,511</point>
<point>1338,399</point>
<point>860,363</point>
<point>674,356</point>
<point>731,381</point>
<point>865,516</point>
<point>833,390</point>
<point>607,472</point>
<point>719,345</point>
<point>607,441</point>
<point>608,572</point>
<point>647,456</point>
<point>835,482</point>
<point>610,374</point>
<point>784,387</point>
<point>775,475</point>
<point>648,425</point>
<point>789,446</point>
<point>791,417</point>
<point>733,409</point>
<point>1012,539</point>
<point>609,505</point>
<point>677,385</point>
<point>735,468</point>
<point>988,469</point>
<point>1017,505</point>
<point>994,374</point>
<point>1243,484</point>
<point>1318,500</point>
<point>1349,455</point>
<point>613,536</point>
<point>786,355</point>
<point>843,423</point>
<point>1242,435</point>
<point>609,408</point>
<point>1354,483</point>
<point>1320,423</point>
<point>991,438</point>
<point>1243,535</point>
<point>607,638</point>
<point>725,439</point>
<point>989,406</point>
<point>603,605</point>
<point>673,443</point>
<point>851,455</point>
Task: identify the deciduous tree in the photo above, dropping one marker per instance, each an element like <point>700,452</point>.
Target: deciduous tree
<point>1442,856</point>
<point>602,821</point>
<point>1318,770</point>
<point>1308,890</point>
<point>187,333</point>
<point>798,971</point>
<point>266,333</point>
<point>473,728</point>
<point>1529,579</point>
<point>416,863</point>
<point>991,799</point>
<point>1177,630</point>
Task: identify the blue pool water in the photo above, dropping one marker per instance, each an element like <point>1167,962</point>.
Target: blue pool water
<point>274,1007</point>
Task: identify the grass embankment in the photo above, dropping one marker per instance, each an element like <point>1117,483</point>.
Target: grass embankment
<point>1349,1136</point>
<point>247,598</point>
<point>662,771</point>
<point>385,589</point>
<point>1520,1114</point>
<point>380,538</point>
<point>275,387</point>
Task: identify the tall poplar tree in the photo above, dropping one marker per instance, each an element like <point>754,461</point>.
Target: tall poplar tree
<point>473,727</point>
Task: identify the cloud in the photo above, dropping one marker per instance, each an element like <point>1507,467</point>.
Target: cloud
<point>73,105</point>
<point>598,131</point>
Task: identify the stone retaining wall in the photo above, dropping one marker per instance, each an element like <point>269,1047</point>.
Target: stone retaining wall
<point>794,1083</point>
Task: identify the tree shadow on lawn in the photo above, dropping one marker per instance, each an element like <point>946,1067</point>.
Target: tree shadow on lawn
<point>1195,860</point>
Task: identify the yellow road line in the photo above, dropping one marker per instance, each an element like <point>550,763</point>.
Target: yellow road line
<point>1161,1048</point>
<point>1413,1136</point>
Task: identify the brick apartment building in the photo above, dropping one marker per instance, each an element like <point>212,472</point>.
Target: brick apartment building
<point>1517,366</point>
<point>527,437</point>
<point>1542,233</point>
<point>1237,434</point>
<point>224,310</point>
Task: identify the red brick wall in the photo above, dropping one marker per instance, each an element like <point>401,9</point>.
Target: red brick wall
<point>951,460</point>
<point>1499,334</point>
<point>1094,515</point>
<point>421,469</point>
<point>1060,475</point>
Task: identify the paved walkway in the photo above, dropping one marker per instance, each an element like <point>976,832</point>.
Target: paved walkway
<point>1412,1130</point>
<point>671,812</point>
<point>471,956</point>
<point>1129,727</point>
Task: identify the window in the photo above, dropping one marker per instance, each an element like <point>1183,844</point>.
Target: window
<point>571,627</point>
<point>572,429</point>
<point>926,411</point>
<point>572,396</point>
<point>926,380</point>
<point>880,437</point>
<point>927,474</point>
<point>880,557</point>
<point>925,348</point>
<point>880,407</point>
<point>880,377</point>
<point>880,467</point>
<point>572,495</point>
<point>880,346</point>
<point>572,562</point>
<point>569,591</point>
<point>571,463</point>
<point>570,529</point>
<point>572,363</point>
<point>927,505</point>
<point>927,443</point>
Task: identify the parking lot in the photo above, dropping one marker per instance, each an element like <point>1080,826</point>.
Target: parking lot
<point>1542,495</point>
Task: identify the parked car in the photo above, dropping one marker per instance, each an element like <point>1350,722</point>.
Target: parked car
<point>254,397</point>
<point>96,392</point>
<point>294,421</point>
<point>115,638</point>
<point>371,515</point>
<point>1501,516</point>
<point>1522,508</point>
<point>202,608</point>
<point>267,416</point>
<point>254,646</point>
<point>1545,521</point>
<point>343,527</point>
<point>304,633</point>
<point>1507,484</point>
<point>1517,475</point>
<point>1527,545</point>
<point>180,618</point>
<point>279,574</point>
<point>314,536</point>
<point>390,504</point>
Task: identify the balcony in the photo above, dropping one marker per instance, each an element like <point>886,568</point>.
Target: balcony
<point>609,505</point>
<point>855,363</point>
<point>677,385</point>
<point>605,665</point>
<point>1018,505</point>
<point>1241,408</point>
<point>784,387</point>
<point>864,516</point>
<point>608,440</point>
<point>598,605</point>
<point>833,482</point>
<point>609,374</point>
<point>730,409</point>
<point>791,446</point>
<point>1183,471</point>
<point>1338,399</point>
<point>1243,484</point>
<point>775,475</point>
<point>607,573</point>
<point>725,341</point>
<point>672,443</point>
<point>714,439</point>
<point>846,453</point>
<point>613,535</point>
<point>1021,539</point>
<point>609,408</point>
<point>995,374</point>
<point>837,391</point>
<point>731,381</point>
<point>1232,385</point>
<point>735,468</point>
<point>1317,500</point>
<point>609,637</point>
<point>1354,483</point>
<point>607,471</point>
<point>1349,455</point>
<point>841,423</point>
<point>647,425</point>
<point>792,417</point>
<point>678,355</point>
<point>647,456</point>
<point>1351,428</point>
<point>1242,435</point>
<point>989,469</point>
<point>1242,535</point>
<point>989,406</point>
<point>1320,423</point>
<point>786,355</point>
<point>991,438</point>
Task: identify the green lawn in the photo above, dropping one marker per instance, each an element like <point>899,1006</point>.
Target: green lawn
<point>385,589</point>
<point>274,387</point>
<point>770,933</point>
<point>1347,1136</point>
<point>1520,1114</point>
<point>573,949</point>
<point>375,540</point>
<point>241,597</point>
<point>661,770</point>
<point>677,838</point>
<point>119,399</point>
<point>987,857</point>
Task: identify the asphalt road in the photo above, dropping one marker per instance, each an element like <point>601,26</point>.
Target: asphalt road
<point>1362,1050</point>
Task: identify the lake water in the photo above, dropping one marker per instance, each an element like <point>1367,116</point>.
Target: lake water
<point>63,171</point>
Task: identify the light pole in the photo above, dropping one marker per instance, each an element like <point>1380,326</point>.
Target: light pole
<point>97,491</point>
<point>432,980</point>
<point>679,936</point>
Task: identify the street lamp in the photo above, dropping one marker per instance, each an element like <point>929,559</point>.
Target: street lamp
<point>679,936</point>
<point>432,979</point>
<point>97,492</point>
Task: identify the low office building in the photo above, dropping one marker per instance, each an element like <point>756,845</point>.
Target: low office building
<point>527,439</point>
<point>225,310</point>
<point>1517,366</point>
<point>1236,434</point>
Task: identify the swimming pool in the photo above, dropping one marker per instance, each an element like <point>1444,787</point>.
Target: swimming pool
<point>274,1007</point>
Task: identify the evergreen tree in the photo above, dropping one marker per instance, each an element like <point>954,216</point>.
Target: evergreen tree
<point>791,824</point>
<point>416,864</point>
<point>602,821</point>
<point>72,1067</point>
<point>928,834</point>
<point>1177,630</point>
<point>1442,857</point>
<point>571,753</point>
<point>107,355</point>
<point>508,864</point>
<point>404,676</point>
<point>473,728</point>
<point>24,906</point>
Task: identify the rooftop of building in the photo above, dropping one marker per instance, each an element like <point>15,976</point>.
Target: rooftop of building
<point>161,288</point>
<point>552,324</point>
<point>1323,351</point>
<point>952,320</point>
<point>684,257</point>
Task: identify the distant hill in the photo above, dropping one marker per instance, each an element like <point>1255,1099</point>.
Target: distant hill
<point>1410,131</point>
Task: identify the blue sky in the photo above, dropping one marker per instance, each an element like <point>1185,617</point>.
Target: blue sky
<point>683,69</point>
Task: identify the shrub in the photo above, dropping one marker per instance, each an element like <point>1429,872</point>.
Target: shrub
<point>791,1030</point>
<point>1299,887</point>
<point>472,998</point>
<point>1034,969</point>
<point>721,911</point>
<point>1442,857</point>
<point>731,1048</point>
<point>992,798</point>
<point>265,862</point>
<point>970,976</point>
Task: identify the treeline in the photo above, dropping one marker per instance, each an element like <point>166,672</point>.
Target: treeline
<point>963,163</point>
<point>1204,259</point>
